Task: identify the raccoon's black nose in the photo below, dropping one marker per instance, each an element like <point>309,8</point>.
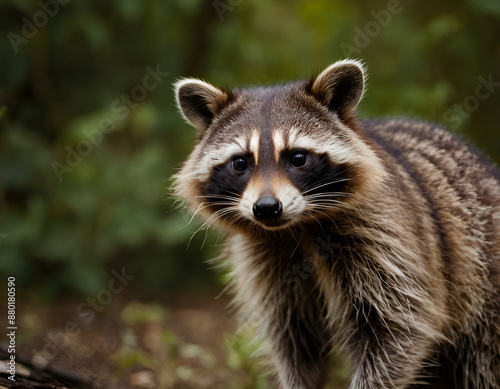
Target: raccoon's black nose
<point>267,207</point>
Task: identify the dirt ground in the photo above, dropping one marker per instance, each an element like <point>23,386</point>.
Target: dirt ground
<point>185,342</point>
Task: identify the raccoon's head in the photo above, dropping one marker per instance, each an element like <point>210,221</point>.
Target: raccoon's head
<point>272,157</point>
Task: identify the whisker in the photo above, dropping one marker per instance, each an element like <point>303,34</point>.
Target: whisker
<point>330,207</point>
<point>295,239</point>
<point>331,203</point>
<point>227,193</point>
<point>315,218</point>
<point>327,216</point>
<point>327,194</point>
<point>200,207</point>
<point>206,225</point>
<point>219,196</point>
<point>326,184</point>
<point>334,203</point>
<point>217,215</point>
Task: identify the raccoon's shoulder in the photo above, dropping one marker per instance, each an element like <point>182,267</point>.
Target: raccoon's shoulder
<point>418,144</point>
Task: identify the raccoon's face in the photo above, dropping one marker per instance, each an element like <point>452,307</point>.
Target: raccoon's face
<point>272,157</point>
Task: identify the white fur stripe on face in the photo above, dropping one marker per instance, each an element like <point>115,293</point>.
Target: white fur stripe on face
<point>235,146</point>
<point>217,157</point>
<point>254,145</point>
<point>337,149</point>
<point>279,144</point>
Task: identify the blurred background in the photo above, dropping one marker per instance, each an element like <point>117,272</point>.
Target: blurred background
<point>90,136</point>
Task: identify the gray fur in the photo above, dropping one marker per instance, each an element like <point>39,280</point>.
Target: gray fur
<point>399,265</point>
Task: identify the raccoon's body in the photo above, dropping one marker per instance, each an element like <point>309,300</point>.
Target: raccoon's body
<point>381,237</point>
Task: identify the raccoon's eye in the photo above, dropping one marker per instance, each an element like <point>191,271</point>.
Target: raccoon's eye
<point>298,158</point>
<point>239,164</point>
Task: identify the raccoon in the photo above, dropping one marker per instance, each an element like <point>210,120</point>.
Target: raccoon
<point>378,237</point>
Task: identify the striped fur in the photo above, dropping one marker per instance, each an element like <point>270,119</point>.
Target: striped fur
<point>387,244</point>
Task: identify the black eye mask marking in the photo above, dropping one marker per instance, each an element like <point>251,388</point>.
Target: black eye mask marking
<point>316,174</point>
<point>229,180</point>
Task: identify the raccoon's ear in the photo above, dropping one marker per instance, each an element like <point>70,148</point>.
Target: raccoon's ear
<point>199,101</point>
<point>340,86</point>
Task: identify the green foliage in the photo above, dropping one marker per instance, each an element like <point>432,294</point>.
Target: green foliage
<point>147,346</point>
<point>135,313</point>
<point>112,208</point>
<point>242,353</point>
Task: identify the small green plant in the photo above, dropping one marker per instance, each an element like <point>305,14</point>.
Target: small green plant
<point>148,346</point>
<point>243,355</point>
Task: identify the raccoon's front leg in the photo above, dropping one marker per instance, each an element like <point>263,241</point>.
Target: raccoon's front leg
<point>276,290</point>
<point>388,355</point>
<point>298,344</point>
